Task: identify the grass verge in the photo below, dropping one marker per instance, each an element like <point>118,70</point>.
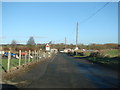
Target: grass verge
<point>13,63</point>
<point>109,58</point>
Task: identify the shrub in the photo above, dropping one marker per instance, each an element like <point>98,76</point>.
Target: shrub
<point>81,53</point>
<point>74,53</point>
<point>95,54</point>
<point>6,49</point>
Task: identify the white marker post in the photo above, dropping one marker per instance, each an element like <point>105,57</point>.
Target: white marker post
<point>9,57</point>
<point>19,58</point>
<point>32,55</point>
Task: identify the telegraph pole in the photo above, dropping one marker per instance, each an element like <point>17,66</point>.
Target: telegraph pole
<point>65,42</point>
<point>77,35</point>
<point>76,38</point>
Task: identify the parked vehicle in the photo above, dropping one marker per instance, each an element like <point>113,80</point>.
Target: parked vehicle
<point>11,54</point>
<point>6,54</point>
<point>24,53</point>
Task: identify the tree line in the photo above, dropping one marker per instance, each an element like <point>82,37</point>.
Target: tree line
<point>31,45</point>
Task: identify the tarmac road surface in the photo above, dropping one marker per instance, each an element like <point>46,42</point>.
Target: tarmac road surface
<point>63,71</point>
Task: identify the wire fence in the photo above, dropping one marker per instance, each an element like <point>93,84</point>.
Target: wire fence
<point>11,62</point>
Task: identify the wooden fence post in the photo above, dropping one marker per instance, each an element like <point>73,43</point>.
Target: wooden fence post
<point>25,57</point>
<point>8,65</point>
<point>29,56</point>
<point>39,55</point>
<point>19,58</point>
<point>35,55</point>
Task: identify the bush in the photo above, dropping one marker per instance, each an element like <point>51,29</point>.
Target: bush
<point>81,53</point>
<point>69,52</point>
<point>74,53</point>
<point>6,49</point>
<point>95,54</point>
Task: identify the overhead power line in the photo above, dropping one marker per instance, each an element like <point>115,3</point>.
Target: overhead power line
<point>92,15</point>
<point>96,12</point>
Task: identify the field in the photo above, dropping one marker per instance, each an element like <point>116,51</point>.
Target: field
<point>13,63</point>
<point>25,59</point>
<point>107,57</point>
<point>111,53</point>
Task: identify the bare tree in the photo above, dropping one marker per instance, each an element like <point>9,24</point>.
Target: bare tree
<point>13,45</point>
<point>31,41</point>
<point>14,42</point>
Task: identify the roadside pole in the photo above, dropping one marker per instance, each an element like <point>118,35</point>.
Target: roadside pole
<point>32,55</point>
<point>9,57</point>
<point>29,56</point>
<point>25,57</point>
<point>39,55</point>
<point>35,55</point>
<point>65,42</point>
<point>76,38</point>
<point>19,58</point>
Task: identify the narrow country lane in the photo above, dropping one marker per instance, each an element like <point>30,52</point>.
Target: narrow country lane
<point>63,71</point>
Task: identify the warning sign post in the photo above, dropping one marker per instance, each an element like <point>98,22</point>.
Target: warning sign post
<point>47,47</point>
